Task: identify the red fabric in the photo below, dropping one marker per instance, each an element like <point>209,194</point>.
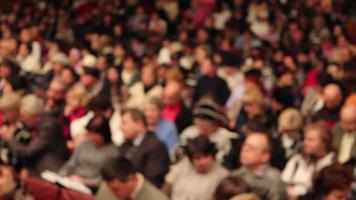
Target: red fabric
<point>171,112</point>
<point>41,190</point>
<point>311,79</point>
<point>76,114</point>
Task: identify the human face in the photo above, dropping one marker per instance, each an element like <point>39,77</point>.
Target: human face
<point>254,150</point>
<point>312,143</point>
<point>205,127</point>
<point>121,189</point>
<point>129,127</point>
<point>67,76</point>
<point>202,163</point>
<point>4,71</point>
<point>338,194</point>
<point>252,109</point>
<point>87,80</point>
<point>148,77</point>
<point>152,114</point>
<point>73,100</point>
<point>96,138</point>
<point>55,91</point>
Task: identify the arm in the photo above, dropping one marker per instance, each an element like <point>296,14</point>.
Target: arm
<point>36,146</point>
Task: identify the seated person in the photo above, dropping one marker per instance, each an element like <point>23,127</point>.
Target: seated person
<point>148,155</point>
<point>200,170</point>
<point>87,160</point>
<point>46,149</point>
<point>208,117</point>
<point>123,182</point>
<point>331,183</point>
<point>264,180</point>
<point>317,153</point>
<point>165,130</point>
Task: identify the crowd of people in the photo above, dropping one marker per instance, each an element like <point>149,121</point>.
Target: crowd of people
<point>181,100</point>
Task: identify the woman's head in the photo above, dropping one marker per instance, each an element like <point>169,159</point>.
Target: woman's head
<point>253,102</point>
<point>317,140</point>
<point>148,75</point>
<point>77,96</point>
<point>99,130</point>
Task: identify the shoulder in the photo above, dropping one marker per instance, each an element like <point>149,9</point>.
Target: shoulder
<point>152,142</point>
<point>149,191</point>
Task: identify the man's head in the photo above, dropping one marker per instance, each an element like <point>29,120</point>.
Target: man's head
<point>201,153</point>
<point>332,95</point>
<point>133,123</point>
<point>348,118</point>
<point>171,94</point>
<point>31,108</point>
<point>152,110</point>
<point>56,90</point>
<point>120,175</point>
<point>255,151</point>
<point>207,67</point>
<point>89,77</point>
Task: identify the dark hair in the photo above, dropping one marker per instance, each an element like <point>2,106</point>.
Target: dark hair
<point>136,115</point>
<point>17,82</point>
<point>12,65</point>
<point>94,72</point>
<point>100,103</point>
<point>333,177</point>
<point>100,125</point>
<point>73,72</point>
<point>118,168</point>
<point>200,145</point>
<point>230,187</point>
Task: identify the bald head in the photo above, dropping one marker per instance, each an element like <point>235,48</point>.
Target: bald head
<point>172,93</point>
<point>332,95</point>
<point>348,118</point>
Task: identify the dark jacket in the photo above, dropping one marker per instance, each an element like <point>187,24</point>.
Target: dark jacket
<point>150,158</point>
<point>47,148</point>
<point>184,118</point>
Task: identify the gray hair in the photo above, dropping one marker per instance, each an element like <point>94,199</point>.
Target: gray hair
<point>154,101</point>
<point>32,105</point>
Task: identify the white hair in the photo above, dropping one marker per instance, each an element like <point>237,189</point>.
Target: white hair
<point>32,105</point>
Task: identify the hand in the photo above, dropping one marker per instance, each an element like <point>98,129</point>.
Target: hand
<point>76,178</point>
<point>7,132</point>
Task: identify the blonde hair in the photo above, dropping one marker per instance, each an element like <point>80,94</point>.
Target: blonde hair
<point>290,120</point>
<point>80,93</point>
<point>254,95</point>
<point>10,102</point>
